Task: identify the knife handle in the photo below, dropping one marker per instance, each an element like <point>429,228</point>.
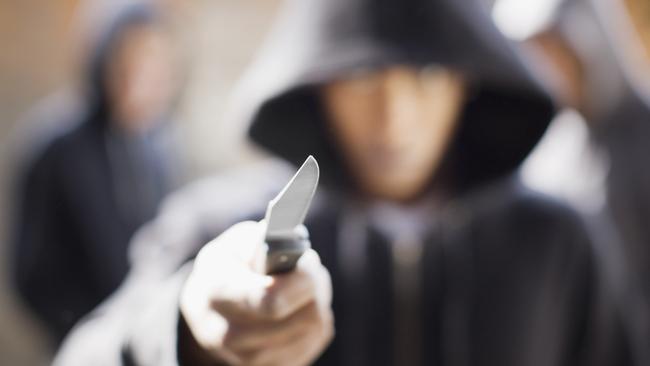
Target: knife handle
<point>283,254</point>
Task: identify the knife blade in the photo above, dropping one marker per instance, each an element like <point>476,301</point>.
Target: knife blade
<point>286,237</point>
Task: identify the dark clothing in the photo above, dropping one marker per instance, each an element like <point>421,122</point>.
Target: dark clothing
<point>509,279</point>
<point>616,97</point>
<point>499,275</point>
<point>624,135</point>
<point>72,234</point>
<point>81,196</point>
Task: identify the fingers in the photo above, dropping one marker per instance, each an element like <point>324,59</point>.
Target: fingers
<point>295,341</point>
<point>247,336</point>
<point>301,350</point>
<point>258,297</point>
<point>310,263</point>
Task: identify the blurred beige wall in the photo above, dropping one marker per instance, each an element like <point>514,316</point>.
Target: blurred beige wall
<point>39,44</point>
<point>34,60</point>
<point>223,38</point>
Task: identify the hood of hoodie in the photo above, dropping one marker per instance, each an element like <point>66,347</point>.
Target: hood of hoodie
<point>107,41</point>
<point>614,66</point>
<point>317,41</point>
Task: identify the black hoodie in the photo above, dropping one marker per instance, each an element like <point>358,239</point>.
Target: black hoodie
<point>617,98</point>
<point>500,276</point>
<point>318,41</point>
<point>81,195</point>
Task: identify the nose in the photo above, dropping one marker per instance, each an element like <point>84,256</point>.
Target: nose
<point>399,107</point>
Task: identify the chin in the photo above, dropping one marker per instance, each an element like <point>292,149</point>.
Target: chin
<point>397,190</point>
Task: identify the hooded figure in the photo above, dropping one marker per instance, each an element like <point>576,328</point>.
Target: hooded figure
<point>473,269</point>
<point>599,51</point>
<point>84,192</point>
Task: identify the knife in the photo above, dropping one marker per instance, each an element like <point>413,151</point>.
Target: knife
<point>286,237</point>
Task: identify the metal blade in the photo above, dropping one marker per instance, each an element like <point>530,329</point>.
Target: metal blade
<point>288,209</point>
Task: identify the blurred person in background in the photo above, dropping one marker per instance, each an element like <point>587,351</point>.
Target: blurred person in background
<point>419,113</point>
<point>598,54</point>
<point>84,192</point>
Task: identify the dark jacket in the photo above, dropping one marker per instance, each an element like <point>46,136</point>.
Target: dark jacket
<point>618,99</point>
<point>501,275</point>
<point>81,194</point>
<point>624,135</point>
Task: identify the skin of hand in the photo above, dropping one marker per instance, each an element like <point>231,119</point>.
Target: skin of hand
<point>237,315</point>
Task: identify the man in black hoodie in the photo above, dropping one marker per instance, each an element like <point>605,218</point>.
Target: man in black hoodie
<point>419,113</point>
<point>598,52</point>
<point>83,193</point>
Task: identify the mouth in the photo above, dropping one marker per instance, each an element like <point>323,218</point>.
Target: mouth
<point>390,160</point>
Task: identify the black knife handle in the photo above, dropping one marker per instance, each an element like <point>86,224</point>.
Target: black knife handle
<point>283,254</point>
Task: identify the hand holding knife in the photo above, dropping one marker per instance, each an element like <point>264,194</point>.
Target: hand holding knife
<point>232,309</point>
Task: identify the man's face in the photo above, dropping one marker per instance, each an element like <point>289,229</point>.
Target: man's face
<point>393,126</point>
<point>141,78</point>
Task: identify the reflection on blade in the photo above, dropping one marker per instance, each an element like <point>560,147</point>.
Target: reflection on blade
<point>289,208</point>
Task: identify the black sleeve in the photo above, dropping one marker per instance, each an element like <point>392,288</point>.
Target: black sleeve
<point>137,325</point>
<point>37,208</point>
<point>602,338</point>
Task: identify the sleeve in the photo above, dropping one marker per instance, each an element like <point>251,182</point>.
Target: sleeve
<point>34,231</point>
<point>603,337</point>
<point>138,325</point>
